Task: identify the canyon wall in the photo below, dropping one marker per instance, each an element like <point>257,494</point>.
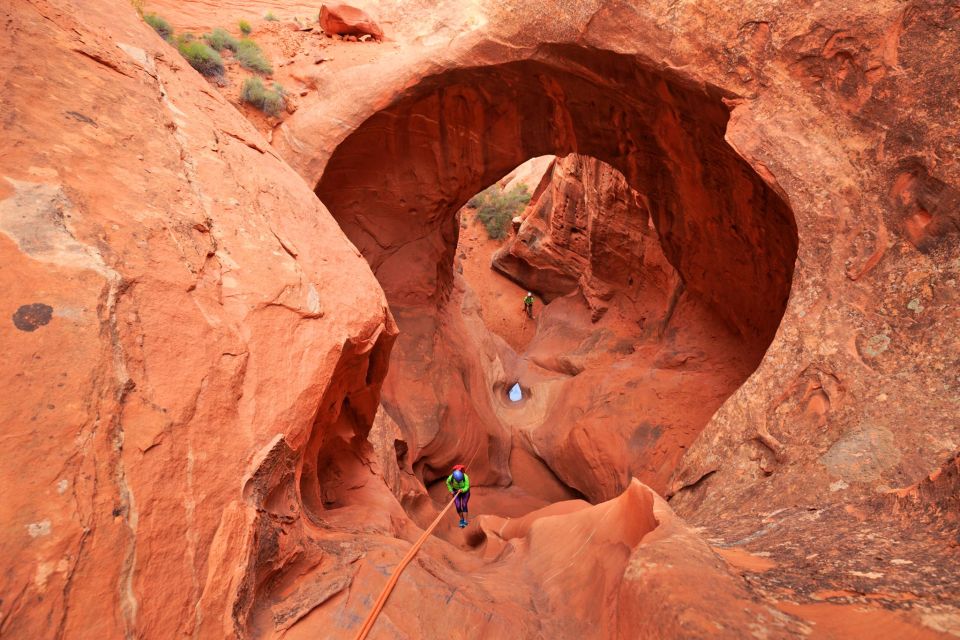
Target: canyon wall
<point>625,366</point>
<point>177,340</point>
<point>844,115</point>
<point>587,229</point>
<point>196,347</point>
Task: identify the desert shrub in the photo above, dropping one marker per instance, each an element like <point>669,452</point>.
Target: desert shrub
<point>251,57</point>
<point>138,6</point>
<point>221,39</point>
<point>252,91</point>
<point>270,101</point>
<point>201,57</point>
<point>245,27</point>
<point>269,17</point>
<point>159,25</point>
<point>496,208</point>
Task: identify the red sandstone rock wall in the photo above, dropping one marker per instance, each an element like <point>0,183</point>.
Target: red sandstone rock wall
<point>189,383</point>
<point>177,339</point>
<point>589,230</point>
<point>832,110</point>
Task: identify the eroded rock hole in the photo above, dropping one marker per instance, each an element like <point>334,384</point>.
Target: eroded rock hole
<point>660,264</point>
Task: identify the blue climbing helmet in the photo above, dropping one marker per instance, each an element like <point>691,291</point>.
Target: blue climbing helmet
<point>458,475</point>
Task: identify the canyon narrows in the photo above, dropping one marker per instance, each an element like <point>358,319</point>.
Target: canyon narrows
<point>243,347</point>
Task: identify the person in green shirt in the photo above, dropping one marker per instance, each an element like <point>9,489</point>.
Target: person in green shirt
<point>528,304</point>
<point>460,481</point>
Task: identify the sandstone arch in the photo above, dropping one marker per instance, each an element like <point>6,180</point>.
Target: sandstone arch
<point>202,299</point>
<point>395,182</point>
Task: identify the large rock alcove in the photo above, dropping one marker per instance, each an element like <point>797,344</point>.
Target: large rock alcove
<point>728,237</point>
<point>226,412</point>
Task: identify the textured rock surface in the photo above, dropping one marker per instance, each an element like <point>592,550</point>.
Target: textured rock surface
<point>196,342</point>
<point>199,463</point>
<point>588,230</point>
<point>830,109</point>
<point>342,19</point>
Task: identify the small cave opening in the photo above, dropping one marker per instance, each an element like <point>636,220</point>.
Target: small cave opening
<point>659,263</point>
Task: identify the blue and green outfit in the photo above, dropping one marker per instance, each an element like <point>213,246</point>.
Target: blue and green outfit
<point>462,498</point>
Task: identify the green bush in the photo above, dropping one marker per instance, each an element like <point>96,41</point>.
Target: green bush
<point>270,101</point>
<point>159,25</point>
<point>221,39</point>
<point>251,57</point>
<point>245,27</point>
<point>201,57</point>
<point>496,208</point>
<point>269,17</point>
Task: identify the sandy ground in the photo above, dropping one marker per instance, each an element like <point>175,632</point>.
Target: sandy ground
<point>501,301</point>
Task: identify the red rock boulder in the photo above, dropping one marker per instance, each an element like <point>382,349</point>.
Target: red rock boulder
<point>344,20</point>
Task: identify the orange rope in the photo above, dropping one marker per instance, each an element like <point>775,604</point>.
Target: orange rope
<point>392,582</point>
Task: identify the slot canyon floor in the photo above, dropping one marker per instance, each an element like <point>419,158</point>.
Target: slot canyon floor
<point>242,352</point>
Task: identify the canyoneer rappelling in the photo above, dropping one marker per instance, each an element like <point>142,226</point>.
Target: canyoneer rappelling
<point>528,304</point>
<point>460,481</point>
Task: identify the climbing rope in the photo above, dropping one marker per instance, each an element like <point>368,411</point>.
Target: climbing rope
<point>392,582</point>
